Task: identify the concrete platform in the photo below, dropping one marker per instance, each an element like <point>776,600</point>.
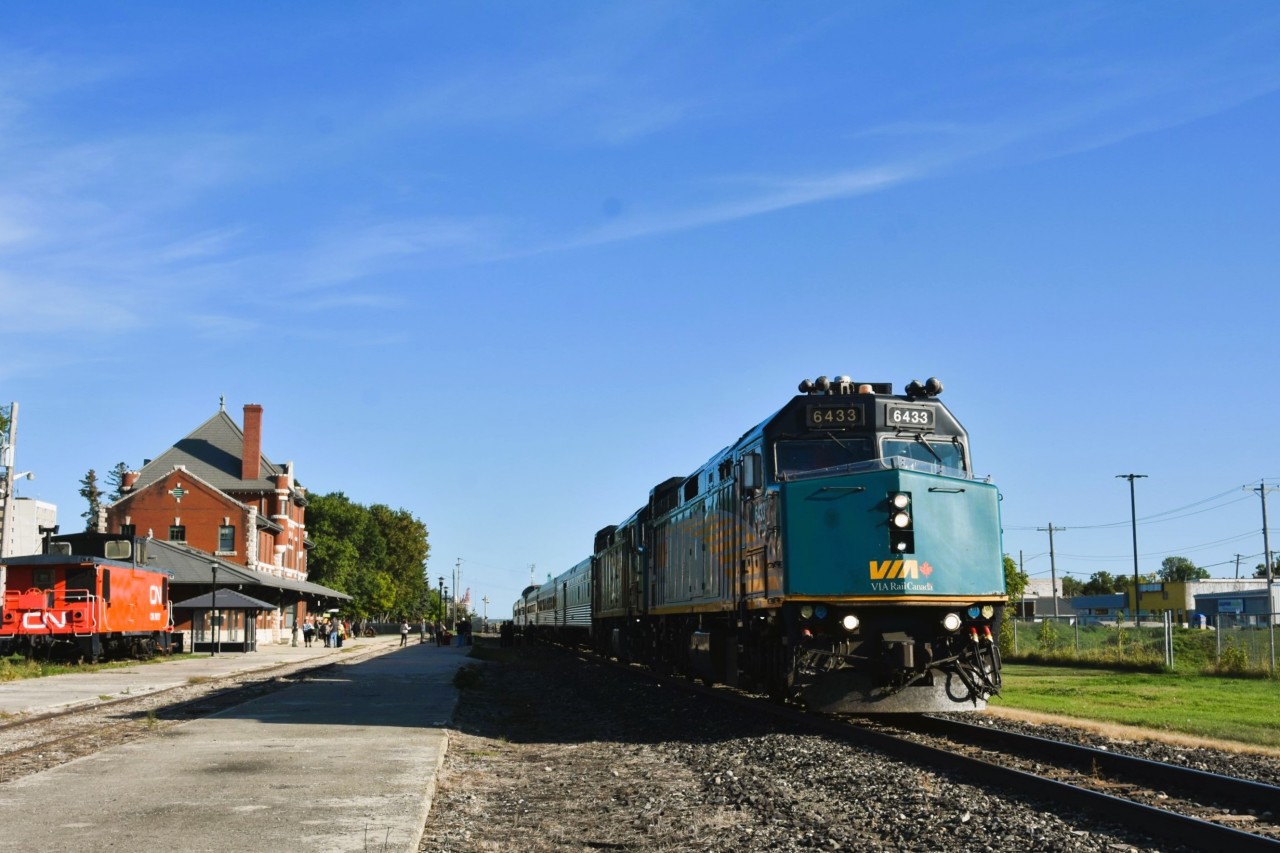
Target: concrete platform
<point>345,762</point>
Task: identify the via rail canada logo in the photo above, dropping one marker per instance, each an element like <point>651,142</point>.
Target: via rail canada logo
<point>901,576</point>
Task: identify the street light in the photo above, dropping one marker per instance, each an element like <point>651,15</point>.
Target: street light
<point>440,580</point>
<point>1133,512</point>
<point>213,612</point>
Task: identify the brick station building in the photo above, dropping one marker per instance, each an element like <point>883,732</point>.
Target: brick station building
<point>216,492</point>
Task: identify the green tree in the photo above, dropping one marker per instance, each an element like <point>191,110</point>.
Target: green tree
<point>1071,587</point>
<point>1174,569</point>
<point>374,554</point>
<point>1260,571</point>
<point>89,491</point>
<point>406,555</point>
<point>1101,583</point>
<point>1015,582</point>
<point>115,479</point>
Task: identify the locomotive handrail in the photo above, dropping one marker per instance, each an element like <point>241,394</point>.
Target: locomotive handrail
<point>890,464</point>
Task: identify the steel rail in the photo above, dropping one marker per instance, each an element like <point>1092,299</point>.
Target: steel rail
<point>1238,793</point>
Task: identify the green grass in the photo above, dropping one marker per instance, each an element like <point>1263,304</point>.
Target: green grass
<point>1244,710</point>
<point>17,667</point>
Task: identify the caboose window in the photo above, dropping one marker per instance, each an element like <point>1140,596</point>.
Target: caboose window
<point>814,455</point>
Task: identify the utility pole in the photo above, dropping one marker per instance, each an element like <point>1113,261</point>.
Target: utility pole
<point>1133,512</point>
<point>1053,568</point>
<point>1238,558</point>
<point>6,459</point>
<point>1266,555</point>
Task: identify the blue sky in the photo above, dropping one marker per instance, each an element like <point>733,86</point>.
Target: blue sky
<point>507,266</point>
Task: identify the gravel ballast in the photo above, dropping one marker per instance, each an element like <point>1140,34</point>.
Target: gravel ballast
<point>555,754</point>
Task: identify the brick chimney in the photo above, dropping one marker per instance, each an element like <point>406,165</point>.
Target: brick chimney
<point>251,461</point>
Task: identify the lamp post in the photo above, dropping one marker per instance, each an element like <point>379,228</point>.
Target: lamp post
<point>213,612</point>
<point>1133,512</point>
<point>440,580</point>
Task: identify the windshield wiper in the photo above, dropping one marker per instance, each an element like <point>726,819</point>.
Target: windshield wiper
<point>932,452</point>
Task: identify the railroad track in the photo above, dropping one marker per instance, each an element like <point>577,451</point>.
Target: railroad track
<point>1115,787</point>
<point>38,742</point>
<point>1110,769</point>
<point>1208,812</point>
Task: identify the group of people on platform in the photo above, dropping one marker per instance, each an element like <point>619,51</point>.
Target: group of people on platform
<point>332,631</point>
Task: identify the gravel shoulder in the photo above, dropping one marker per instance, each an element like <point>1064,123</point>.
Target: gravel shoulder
<point>551,754</point>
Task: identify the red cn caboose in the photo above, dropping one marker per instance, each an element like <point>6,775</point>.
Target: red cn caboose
<point>77,607</point>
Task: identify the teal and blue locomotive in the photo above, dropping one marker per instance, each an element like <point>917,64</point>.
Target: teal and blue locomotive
<point>840,554</point>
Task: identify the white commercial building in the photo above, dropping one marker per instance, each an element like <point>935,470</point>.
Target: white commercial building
<point>21,533</point>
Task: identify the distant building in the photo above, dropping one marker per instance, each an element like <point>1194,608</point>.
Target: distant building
<point>1041,599</point>
<point>1179,597</point>
<point>22,531</point>
<point>1240,607</point>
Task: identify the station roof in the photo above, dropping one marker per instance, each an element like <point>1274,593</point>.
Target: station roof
<point>227,599</point>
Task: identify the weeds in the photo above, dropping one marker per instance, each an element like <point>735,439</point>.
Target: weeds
<point>467,677</point>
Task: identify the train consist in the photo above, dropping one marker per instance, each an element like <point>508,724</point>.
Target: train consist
<point>73,607</point>
<point>840,554</point>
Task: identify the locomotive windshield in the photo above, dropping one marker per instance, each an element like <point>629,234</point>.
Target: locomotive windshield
<point>794,457</point>
<point>947,455</point>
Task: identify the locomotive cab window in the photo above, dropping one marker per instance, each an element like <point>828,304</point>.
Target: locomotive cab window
<point>815,454</point>
<point>948,455</point>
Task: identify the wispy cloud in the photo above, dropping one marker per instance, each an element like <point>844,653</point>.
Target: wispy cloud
<point>771,194</point>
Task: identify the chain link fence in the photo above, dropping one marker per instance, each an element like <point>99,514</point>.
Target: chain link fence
<point>1229,644</point>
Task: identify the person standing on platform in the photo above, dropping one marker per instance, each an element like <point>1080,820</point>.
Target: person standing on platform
<point>404,634</point>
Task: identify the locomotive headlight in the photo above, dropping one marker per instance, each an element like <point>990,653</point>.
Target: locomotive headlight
<point>951,622</point>
<point>850,622</point>
<point>902,537</point>
<point>806,612</point>
<point>988,611</point>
